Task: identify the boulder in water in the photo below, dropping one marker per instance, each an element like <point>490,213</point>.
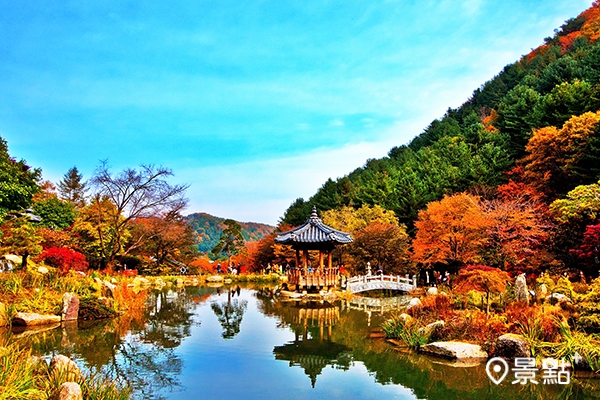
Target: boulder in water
<point>454,350</point>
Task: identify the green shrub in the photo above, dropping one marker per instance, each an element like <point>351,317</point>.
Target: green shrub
<point>589,307</point>
<point>92,309</point>
<point>406,329</point>
<point>546,280</point>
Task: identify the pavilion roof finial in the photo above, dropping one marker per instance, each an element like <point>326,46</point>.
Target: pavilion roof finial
<point>313,214</point>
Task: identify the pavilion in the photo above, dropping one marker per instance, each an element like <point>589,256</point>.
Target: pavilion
<point>313,235</point>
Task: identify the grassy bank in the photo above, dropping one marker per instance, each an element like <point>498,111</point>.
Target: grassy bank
<point>42,293</point>
<point>31,291</point>
<point>567,329</point>
<point>25,377</point>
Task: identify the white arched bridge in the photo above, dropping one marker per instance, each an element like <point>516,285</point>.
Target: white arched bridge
<point>365,283</point>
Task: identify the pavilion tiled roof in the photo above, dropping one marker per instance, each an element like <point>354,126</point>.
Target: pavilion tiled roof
<point>313,231</point>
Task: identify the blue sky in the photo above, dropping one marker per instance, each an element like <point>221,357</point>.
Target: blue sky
<point>252,103</point>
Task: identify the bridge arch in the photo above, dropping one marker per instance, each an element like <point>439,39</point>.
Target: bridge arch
<point>358,284</point>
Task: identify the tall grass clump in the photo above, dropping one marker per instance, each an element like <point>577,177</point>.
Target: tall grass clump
<point>406,329</point>
<point>93,386</point>
<point>575,342</point>
<point>127,299</point>
<point>96,387</point>
<point>11,284</point>
<point>24,377</point>
<point>18,378</point>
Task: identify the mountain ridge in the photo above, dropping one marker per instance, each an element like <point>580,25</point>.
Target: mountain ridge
<point>209,229</point>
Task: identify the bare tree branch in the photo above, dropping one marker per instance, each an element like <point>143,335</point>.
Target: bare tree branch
<point>143,193</point>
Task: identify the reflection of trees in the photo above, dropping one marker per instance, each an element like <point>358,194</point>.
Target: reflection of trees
<point>169,318</point>
<point>326,336</point>
<point>146,360</point>
<point>147,368</point>
<point>230,313</point>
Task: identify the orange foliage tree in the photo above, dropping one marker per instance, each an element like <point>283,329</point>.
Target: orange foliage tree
<point>591,27</point>
<point>167,240</point>
<point>560,159</point>
<point>484,279</point>
<point>266,251</point>
<point>203,264</point>
<point>520,227</point>
<point>451,231</point>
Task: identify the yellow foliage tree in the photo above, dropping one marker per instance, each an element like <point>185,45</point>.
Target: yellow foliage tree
<point>347,219</point>
<point>559,159</point>
<point>379,238</point>
<point>94,232</point>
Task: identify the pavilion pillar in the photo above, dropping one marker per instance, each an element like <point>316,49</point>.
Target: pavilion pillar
<point>321,263</point>
<point>297,258</point>
<point>305,260</point>
<point>329,259</point>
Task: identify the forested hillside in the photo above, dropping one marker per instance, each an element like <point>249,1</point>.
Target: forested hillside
<point>209,229</point>
<point>475,145</point>
<point>508,179</point>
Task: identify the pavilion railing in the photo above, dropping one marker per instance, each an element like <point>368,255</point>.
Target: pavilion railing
<point>319,277</point>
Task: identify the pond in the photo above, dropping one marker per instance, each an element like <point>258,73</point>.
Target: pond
<point>244,343</point>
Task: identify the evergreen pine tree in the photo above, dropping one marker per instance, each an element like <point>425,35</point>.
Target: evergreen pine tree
<point>72,188</point>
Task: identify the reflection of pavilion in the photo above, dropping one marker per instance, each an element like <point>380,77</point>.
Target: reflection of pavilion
<point>310,350</point>
<point>313,235</point>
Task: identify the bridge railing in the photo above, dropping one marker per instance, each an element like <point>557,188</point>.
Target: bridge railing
<point>383,278</point>
<point>363,282</point>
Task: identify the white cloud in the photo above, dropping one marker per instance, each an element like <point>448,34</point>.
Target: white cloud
<point>262,190</point>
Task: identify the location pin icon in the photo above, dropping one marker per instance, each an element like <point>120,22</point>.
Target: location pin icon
<point>496,366</point>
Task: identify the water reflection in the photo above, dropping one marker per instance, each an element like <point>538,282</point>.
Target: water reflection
<point>348,325</point>
<point>230,313</point>
<point>312,348</point>
<point>259,346</point>
<point>136,348</point>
